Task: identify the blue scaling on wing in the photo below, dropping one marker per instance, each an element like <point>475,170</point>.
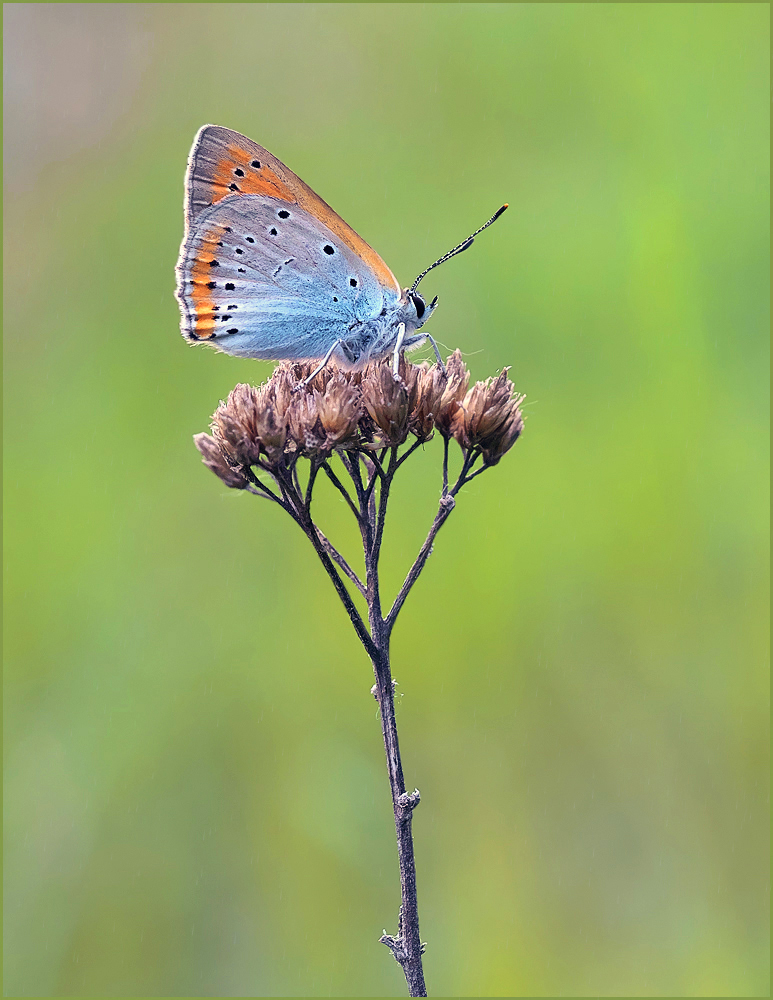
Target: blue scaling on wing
<point>281,284</point>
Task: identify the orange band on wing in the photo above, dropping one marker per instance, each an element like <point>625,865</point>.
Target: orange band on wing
<point>201,276</point>
<point>237,174</point>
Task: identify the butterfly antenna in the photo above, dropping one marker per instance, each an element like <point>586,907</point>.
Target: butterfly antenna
<point>465,245</point>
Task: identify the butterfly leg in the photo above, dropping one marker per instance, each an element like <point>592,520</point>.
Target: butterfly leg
<point>398,345</point>
<point>319,367</point>
<point>437,353</point>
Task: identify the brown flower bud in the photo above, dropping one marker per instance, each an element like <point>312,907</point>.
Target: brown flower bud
<point>339,408</point>
<point>387,400</point>
<point>271,418</point>
<point>303,423</point>
<point>213,458</point>
<point>455,384</point>
<point>430,385</point>
<point>489,418</point>
<point>511,430</point>
<point>235,426</point>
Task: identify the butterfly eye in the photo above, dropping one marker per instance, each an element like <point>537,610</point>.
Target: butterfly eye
<point>328,249</point>
<point>283,213</point>
<point>419,304</point>
<point>353,282</point>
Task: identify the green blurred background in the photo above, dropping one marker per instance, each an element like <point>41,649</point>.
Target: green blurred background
<point>196,799</point>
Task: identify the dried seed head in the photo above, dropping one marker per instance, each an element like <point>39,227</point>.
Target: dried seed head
<point>213,458</point>
<point>455,384</point>
<point>387,401</point>
<point>320,421</point>
<point>489,417</point>
<point>235,426</point>
<point>357,409</point>
<point>303,423</point>
<point>511,430</point>
<point>281,386</point>
<point>430,386</point>
<point>339,408</point>
<point>272,403</point>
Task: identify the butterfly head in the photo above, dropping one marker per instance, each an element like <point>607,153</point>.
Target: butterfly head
<point>415,309</point>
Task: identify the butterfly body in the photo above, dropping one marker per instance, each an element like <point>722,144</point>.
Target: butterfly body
<point>268,270</point>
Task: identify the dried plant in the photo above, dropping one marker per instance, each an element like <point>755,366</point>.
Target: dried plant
<point>367,420</point>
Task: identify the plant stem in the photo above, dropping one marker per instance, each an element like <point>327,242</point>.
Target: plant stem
<point>370,514</point>
<point>406,947</point>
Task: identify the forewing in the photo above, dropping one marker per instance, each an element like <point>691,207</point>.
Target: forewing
<point>260,277</point>
<point>223,163</point>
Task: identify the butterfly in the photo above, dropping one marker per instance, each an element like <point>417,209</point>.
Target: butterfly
<point>268,270</point>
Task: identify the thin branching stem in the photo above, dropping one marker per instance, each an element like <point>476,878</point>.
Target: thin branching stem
<point>336,556</point>
<point>370,512</point>
<point>409,451</point>
<point>313,470</point>
<point>383,498</point>
<point>353,469</point>
<point>346,599</point>
<point>477,472</point>
<point>296,481</point>
<point>340,487</point>
<point>447,504</point>
<point>266,491</point>
<point>284,480</point>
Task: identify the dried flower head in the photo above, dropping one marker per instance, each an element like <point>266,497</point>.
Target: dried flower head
<point>489,418</point>
<point>388,401</point>
<point>213,458</point>
<point>287,418</point>
<point>430,385</point>
<point>302,425</point>
<point>455,384</point>
<point>235,426</point>
<point>273,402</point>
<point>339,408</point>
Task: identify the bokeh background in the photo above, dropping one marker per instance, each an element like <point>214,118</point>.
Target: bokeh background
<point>196,801</point>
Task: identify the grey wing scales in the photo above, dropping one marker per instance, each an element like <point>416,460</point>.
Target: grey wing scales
<point>260,278</point>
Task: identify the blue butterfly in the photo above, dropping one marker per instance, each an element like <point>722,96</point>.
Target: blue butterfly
<point>268,270</point>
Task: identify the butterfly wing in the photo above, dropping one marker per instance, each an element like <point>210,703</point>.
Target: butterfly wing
<point>223,163</point>
<point>261,277</point>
